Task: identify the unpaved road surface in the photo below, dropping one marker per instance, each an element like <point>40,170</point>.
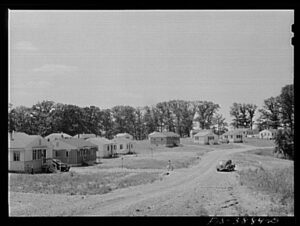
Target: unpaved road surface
<point>197,191</point>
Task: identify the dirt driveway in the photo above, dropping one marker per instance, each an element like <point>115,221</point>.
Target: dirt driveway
<point>198,190</point>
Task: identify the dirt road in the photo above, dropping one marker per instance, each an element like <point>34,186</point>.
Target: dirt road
<point>198,190</point>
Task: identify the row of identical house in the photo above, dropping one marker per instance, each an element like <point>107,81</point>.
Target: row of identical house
<point>27,152</point>
<point>233,136</point>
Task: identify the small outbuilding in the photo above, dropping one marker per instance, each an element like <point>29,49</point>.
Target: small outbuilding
<point>268,134</point>
<point>54,136</point>
<point>106,147</point>
<point>206,137</point>
<point>168,139</point>
<point>233,136</point>
<point>75,151</point>
<point>27,152</point>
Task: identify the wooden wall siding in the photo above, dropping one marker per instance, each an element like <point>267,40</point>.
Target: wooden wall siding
<point>16,166</point>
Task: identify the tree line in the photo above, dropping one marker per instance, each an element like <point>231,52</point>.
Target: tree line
<point>48,117</point>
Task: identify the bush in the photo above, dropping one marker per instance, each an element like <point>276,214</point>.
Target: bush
<point>285,143</point>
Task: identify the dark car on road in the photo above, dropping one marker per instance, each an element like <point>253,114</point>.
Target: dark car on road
<point>225,165</point>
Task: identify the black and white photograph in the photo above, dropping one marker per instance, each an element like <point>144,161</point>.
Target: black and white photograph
<point>150,112</point>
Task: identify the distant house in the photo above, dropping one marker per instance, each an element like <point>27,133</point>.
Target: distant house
<point>54,136</point>
<point>253,133</point>
<point>206,137</point>
<point>27,152</point>
<point>123,145</point>
<point>74,151</point>
<point>244,131</point>
<point>233,136</point>
<point>168,139</point>
<point>124,135</point>
<point>105,147</point>
<point>268,134</point>
<point>85,136</point>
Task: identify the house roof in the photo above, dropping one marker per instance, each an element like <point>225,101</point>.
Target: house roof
<point>171,134</point>
<point>121,140</point>
<point>21,140</point>
<point>271,130</point>
<point>123,134</point>
<point>99,140</point>
<point>156,134</point>
<point>78,143</point>
<point>54,136</point>
<point>204,133</point>
<point>232,132</point>
<point>85,135</point>
<point>59,144</point>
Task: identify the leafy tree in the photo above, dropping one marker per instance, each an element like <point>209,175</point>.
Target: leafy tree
<point>286,99</point>
<point>243,115</point>
<point>219,124</point>
<point>206,110</point>
<point>285,143</point>
<point>270,113</point>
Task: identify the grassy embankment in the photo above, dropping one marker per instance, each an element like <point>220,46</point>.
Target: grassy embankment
<point>270,175</point>
<point>78,184</point>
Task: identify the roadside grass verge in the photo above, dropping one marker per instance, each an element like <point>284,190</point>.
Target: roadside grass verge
<point>78,184</point>
<point>259,142</point>
<point>279,183</point>
<point>263,152</point>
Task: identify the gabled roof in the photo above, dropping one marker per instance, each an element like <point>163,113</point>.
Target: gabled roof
<point>232,132</point>
<point>99,140</point>
<point>85,135</point>
<point>156,134</point>
<point>121,140</point>
<point>54,136</point>
<point>59,145</point>
<point>21,140</point>
<point>204,133</point>
<point>171,134</point>
<point>271,130</point>
<point>123,134</point>
<point>78,143</point>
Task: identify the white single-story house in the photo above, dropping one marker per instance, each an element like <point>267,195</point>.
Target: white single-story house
<point>253,133</point>
<point>74,151</point>
<point>206,137</point>
<point>124,135</point>
<point>54,136</point>
<point>233,136</point>
<point>106,148</point>
<point>27,152</point>
<point>268,134</point>
<point>123,145</point>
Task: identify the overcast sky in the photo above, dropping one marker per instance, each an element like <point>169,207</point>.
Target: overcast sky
<point>138,58</point>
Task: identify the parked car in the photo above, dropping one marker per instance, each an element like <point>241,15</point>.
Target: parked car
<point>54,165</point>
<point>225,165</point>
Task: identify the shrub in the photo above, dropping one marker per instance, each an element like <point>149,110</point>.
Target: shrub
<point>285,143</point>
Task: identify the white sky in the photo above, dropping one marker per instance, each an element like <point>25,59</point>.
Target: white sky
<point>138,58</point>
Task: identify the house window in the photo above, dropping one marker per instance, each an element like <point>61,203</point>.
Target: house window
<point>115,147</point>
<point>34,155</point>
<point>67,154</point>
<point>39,154</point>
<point>131,145</point>
<point>231,136</point>
<point>196,138</point>
<point>107,148</point>
<point>16,156</point>
<point>44,153</point>
<point>121,146</point>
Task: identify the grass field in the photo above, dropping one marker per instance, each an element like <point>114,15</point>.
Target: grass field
<point>261,171</point>
<point>78,184</point>
<point>259,142</point>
